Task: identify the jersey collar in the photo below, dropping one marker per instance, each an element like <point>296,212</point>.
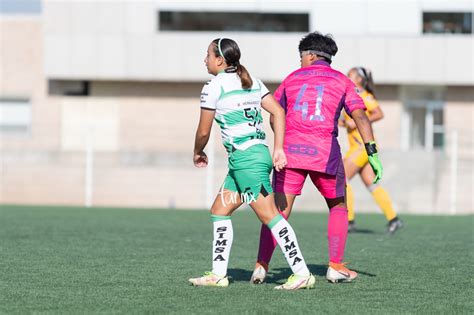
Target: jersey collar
<point>228,70</point>
<point>321,62</point>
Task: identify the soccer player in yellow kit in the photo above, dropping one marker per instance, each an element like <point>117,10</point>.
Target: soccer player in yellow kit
<point>356,160</point>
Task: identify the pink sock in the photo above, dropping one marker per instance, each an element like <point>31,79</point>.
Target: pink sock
<point>267,244</point>
<point>337,233</point>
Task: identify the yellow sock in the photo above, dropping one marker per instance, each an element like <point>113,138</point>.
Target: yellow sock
<point>350,202</point>
<point>382,198</point>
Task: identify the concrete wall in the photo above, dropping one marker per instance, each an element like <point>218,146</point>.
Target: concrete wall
<point>143,155</point>
<point>119,41</point>
<point>459,116</point>
<point>22,76</point>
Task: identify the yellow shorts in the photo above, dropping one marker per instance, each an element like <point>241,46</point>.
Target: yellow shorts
<point>357,155</point>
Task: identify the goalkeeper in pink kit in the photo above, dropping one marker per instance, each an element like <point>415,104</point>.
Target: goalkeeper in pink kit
<point>313,97</point>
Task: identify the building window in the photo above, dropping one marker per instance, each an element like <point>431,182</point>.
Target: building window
<point>423,119</point>
<point>233,21</point>
<point>15,116</point>
<point>447,22</point>
<point>69,88</point>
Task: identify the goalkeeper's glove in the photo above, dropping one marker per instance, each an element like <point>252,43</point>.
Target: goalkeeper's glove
<point>374,160</point>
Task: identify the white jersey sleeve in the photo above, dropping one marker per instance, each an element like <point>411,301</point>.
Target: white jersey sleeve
<point>210,94</point>
<point>263,89</point>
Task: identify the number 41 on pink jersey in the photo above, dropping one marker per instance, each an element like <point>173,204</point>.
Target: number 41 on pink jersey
<point>304,107</point>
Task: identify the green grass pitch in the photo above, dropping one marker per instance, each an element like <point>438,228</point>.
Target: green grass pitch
<point>76,260</point>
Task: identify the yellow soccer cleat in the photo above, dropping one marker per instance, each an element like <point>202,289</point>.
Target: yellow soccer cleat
<point>210,280</point>
<point>298,282</point>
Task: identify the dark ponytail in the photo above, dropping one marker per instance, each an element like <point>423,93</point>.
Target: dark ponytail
<point>369,85</point>
<point>230,51</point>
<point>244,77</point>
<point>367,80</point>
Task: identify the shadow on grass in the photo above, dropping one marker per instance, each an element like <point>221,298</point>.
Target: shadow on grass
<point>362,231</point>
<point>368,274</point>
<point>237,274</point>
<point>281,274</point>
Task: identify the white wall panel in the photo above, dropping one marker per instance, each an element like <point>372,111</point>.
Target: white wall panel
<point>340,17</point>
<point>400,60</point>
<point>83,58</point>
<point>371,51</point>
<point>111,17</point>
<point>85,17</point>
<point>140,18</point>
<point>459,62</point>
<point>125,44</point>
<point>388,17</point>
<point>56,17</point>
<point>57,56</point>
<point>111,57</point>
<point>430,59</point>
<point>139,57</point>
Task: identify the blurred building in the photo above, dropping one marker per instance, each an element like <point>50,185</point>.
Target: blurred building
<point>99,99</point>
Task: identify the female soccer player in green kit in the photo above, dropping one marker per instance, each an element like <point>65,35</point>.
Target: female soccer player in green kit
<point>234,98</point>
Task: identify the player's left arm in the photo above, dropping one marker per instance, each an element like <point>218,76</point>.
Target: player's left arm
<point>272,123</point>
<point>365,129</point>
<point>203,133</point>
<point>270,104</point>
<point>356,109</point>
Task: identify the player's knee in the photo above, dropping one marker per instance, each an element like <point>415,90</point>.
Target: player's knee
<point>268,214</point>
<point>218,210</point>
<point>213,211</point>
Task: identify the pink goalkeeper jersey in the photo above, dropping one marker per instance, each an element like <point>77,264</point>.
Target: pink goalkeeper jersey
<point>313,98</point>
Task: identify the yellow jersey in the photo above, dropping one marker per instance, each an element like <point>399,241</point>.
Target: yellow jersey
<point>371,103</point>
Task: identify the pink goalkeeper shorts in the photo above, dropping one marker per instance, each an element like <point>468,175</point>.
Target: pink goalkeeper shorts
<point>291,181</point>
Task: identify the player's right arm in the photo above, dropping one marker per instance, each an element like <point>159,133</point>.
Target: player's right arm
<point>209,96</point>
<point>203,133</point>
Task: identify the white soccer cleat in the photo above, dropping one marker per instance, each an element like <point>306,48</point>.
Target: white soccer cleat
<point>298,282</point>
<point>258,275</point>
<point>339,273</point>
<point>210,280</point>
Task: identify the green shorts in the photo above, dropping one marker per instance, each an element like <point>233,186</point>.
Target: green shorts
<point>249,173</point>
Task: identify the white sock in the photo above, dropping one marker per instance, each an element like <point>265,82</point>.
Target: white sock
<point>286,239</point>
<point>221,244</point>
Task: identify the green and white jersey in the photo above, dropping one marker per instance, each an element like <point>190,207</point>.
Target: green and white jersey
<point>238,111</point>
